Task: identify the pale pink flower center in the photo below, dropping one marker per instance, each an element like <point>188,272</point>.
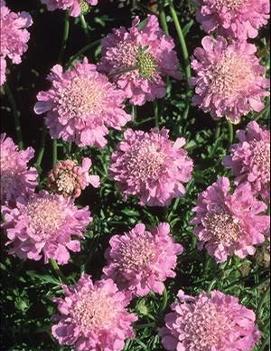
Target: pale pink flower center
<point>45,216</point>
<point>66,182</point>
<point>205,327</point>
<point>80,97</point>
<point>261,158</point>
<point>146,161</point>
<point>95,311</point>
<point>229,4</point>
<point>137,254</point>
<point>231,76</point>
<point>223,227</point>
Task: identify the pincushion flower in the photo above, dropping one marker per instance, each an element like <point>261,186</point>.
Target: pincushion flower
<point>45,225</point>
<point>250,159</point>
<point>229,224</point>
<point>141,260</point>
<point>75,7</point>
<point>138,59</point>
<point>13,36</point>
<point>17,179</point>
<point>151,166</point>
<point>93,316</point>
<point>239,19</point>
<point>69,178</point>
<point>81,105</point>
<point>229,79</point>
<point>209,321</point>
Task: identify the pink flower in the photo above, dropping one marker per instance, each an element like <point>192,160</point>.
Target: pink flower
<point>229,80</point>
<point>13,36</point>
<point>151,166</point>
<point>93,316</point>
<point>81,105</point>
<point>17,179</point>
<point>75,7</point>
<point>250,159</point>
<point>140,260</point>
<point>209,322</point>
<point>239,19</point>
<point>45,225</point>
<point>138,59</point>
<point>229,224</point>
<point>3,66</point>
<point>69,179</point>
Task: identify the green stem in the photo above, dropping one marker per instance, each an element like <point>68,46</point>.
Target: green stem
<point>230,126</point>
<point>42,148</point>
<point>84,25</point>
<point>156,113</point>
<point>263,300</point>
<point>134,112</point>
<point>16,116</point>
<point>82,51</point>
<point>54,152</point>
<point>163,18</point>
<point>165,299</point>
<point>181,40</point>
<point>66,31</point>
<point>57,270</point>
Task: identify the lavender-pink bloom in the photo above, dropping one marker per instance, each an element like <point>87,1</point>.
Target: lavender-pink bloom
<point>229,224</point>
<point>13,36</point>
<point>93,316</point>
<point>151,166</point>
<point>140,261</point>
<point>81,105</point>
<point>45,225</point>
<point>229,79</point>
<point>137,60</point>
<point>68,178</point>
<point>209,322</point>
<point>17,179</point>
<point>239,19</point>
<point>75,7</point>
<point>250,159</point>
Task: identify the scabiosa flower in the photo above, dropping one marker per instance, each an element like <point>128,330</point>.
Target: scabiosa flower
<point>137,60</point>
<point>93,316</point>
<point>209,321</point>
<point>229,224</point>
<point>239,19</point>
<point>229,79</point>
<point>81,105</point>
<point>17,179</point>
<point>13,36</point>
<point>47,225</point>
<point>250,158</point>
<point>75,7</point>
<point>140,260</point>
<point>69,179</point>
<point>151,166</point>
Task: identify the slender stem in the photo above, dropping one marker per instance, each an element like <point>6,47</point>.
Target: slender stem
<point>82,51</point>
<point>156,113</point>
<point>181,40</point>
<point>263,300</point>
<point>230,126</point>
<point>165,299</point>
<point>66,31</point>
<point>57,270</point>
<point>84,25</point>
<point>54,152</point>
<point>16,116</point>
<point>42,148</point>
<point>134,112</point>
<point>163,18</point>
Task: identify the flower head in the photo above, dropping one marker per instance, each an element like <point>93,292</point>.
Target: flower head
<point>137,60</point>
<point>13,36</point>
<point>93,316</point>
<point>75,7</point>
<point>151,166</point>
<point>45,225</point>
<point>17,179</point>
<point>209,321</point>
<point>229,224</point>
<point>81,105</point>
<point>238,19</point>
<point>250,158</point>
<point>229,80</point>
<point>140,260</point>
<point>69,179</point>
